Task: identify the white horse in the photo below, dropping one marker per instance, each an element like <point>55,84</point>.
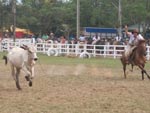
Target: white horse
<point>24,58</point>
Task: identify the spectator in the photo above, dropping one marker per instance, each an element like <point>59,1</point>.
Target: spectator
<point>118,38</point>
<point>62,39</point>
<point>95,39</point>
<point>82,39</point>
<point>45,37</point>
<point>51,36</point>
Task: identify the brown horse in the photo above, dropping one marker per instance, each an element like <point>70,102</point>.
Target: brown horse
<point>137,58</point>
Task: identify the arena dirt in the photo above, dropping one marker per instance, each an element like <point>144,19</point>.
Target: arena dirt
<point>77,70</point>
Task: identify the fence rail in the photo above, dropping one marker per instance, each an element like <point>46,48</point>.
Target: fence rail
<point>114,51</point>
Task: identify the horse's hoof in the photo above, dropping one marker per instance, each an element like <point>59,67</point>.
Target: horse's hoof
<point>27,78</point>
<point>30,83</point>
<point>19,88</point>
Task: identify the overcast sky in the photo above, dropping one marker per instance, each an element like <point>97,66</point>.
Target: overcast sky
<point>19,1</point>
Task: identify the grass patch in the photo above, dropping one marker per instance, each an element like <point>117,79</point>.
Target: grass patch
<point>108,62</point>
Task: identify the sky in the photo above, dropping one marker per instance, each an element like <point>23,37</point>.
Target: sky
<point>19,1</point>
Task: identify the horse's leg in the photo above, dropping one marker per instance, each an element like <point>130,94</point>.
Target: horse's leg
<point>32,72</point>
<point>146,72</point>
<point>28,75</point>
<point>143,71</point>
<point>13,72</point>
<point>124,66</point>
<point>132,67</point>
<point>17,78</point>
<point>124,70</point>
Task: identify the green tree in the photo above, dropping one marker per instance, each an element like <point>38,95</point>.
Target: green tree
<point>44,16</point>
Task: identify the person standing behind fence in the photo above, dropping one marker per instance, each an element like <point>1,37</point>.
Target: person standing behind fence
<point>63,40</point>
<point>95,39</point>
<point>82,39</point>
<point>134,38</point>
<point>44,37</point>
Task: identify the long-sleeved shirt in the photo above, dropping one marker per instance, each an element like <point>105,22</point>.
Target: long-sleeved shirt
<point>133,40</point>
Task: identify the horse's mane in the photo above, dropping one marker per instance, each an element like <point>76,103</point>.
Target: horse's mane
<point>140,50</point>
<point>141,47</point>
<point>141,42</point>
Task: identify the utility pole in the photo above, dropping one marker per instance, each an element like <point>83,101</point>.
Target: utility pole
<point>78,19</point>
<point>119,8</point>
<point>14,19</point>
<point>120,19</point>
<point>1,19</point>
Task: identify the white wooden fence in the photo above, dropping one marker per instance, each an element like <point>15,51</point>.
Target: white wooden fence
<point>113,51</point>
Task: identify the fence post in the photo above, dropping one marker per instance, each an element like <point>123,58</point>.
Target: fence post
<point>114,51</point>
<point>67,46</point>
<point>105,51</point>
<point>76,49</point>
<point>94,51</point>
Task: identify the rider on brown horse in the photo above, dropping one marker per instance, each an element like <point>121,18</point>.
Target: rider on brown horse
<point>135,53</point>
<point>133,42</point>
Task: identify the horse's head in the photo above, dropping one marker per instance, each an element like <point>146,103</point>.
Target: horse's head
<point>31,52</point>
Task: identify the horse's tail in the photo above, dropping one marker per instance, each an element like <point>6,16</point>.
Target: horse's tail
<point>6,60</point>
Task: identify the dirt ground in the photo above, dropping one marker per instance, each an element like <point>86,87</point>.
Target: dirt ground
<point>75,89</point>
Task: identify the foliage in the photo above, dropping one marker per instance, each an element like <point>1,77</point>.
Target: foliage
<point>45,16</point>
